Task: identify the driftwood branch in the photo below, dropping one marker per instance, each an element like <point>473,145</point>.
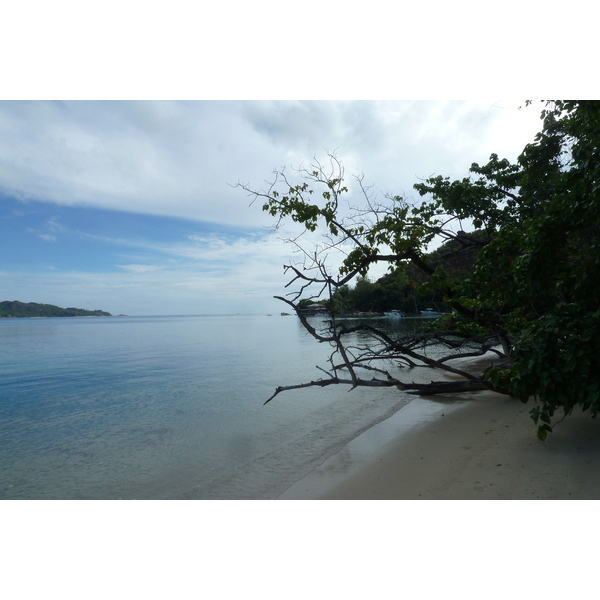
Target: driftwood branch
<point>424,389</point>
<point>449,387</point>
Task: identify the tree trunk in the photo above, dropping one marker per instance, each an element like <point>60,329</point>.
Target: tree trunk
<point>448,387</point>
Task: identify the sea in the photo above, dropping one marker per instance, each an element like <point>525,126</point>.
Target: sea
<point>170,407</point>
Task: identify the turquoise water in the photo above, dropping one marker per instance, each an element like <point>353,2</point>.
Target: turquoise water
<point>168,407</point>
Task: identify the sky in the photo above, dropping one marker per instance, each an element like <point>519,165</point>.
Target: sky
<point>132,207</point>
<point>123,132</point>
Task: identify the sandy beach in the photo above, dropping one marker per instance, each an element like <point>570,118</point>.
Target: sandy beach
<point>480,445</point>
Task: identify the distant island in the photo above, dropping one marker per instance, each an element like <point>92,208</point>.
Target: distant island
<point>16,309</point>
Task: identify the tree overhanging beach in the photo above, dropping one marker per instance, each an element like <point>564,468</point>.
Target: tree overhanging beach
<point>531,297</point>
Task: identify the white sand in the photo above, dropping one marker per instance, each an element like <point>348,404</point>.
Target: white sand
<point>477,446</point>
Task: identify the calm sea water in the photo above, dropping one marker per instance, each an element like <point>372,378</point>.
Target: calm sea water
<point>168,407</point>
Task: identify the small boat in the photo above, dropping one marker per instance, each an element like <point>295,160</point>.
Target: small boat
<point>430,311</point>
<point>394,314</point>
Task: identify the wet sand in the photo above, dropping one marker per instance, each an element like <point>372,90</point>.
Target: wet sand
<point>476,446</point>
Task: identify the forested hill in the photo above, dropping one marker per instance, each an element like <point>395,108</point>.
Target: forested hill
<point>15,308</point>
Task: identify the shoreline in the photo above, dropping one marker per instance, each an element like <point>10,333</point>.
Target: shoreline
<point>478,445</point>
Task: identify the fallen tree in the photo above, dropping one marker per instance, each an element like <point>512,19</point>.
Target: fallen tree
<point>531,299</point>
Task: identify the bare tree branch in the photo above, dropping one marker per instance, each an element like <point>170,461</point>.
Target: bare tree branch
<point>363,234</point>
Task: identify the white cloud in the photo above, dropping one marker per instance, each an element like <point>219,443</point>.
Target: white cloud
<point>53,224</point>
<point>206,274</point>
<point>139,268</point>
<point>178,158</point>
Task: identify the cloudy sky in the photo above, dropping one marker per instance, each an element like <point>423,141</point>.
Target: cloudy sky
<point>130,206</point>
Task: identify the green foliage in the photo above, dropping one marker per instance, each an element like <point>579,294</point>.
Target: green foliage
<point>296,204</point>
<point>305,303</point>
<point>527,279</point>
<point>557,361</point>
<point>390,292</point>
<point>539,278</point>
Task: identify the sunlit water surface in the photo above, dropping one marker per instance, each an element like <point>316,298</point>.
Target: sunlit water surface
<point>168,407</point>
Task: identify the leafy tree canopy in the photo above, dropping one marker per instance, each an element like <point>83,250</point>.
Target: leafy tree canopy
<point>528,289</point>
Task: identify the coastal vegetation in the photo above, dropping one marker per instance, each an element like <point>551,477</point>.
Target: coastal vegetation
<point>400,289</point>
<point>517,262</point>
<point>16,309</point>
